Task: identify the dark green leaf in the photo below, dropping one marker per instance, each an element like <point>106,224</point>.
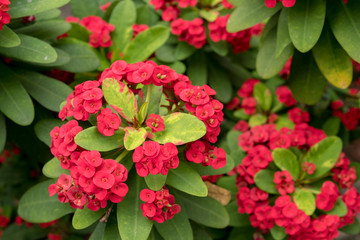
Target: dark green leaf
<point>111,229</point>
<point>221,48</point>
<point>339,209</point>
<point>62,59</point>
<point>166,53</point>
<point>81,9</point>
<point>83,59</point>
<point>15,103</point>
<point>134,137</point>
<point>286,160</point>
<point>345,24</point>
<point>122,17</point>
<point>44,127</point>
<point>267,63</point>
<point>324,155</point>
<point>282,34</point>
<point>184,50</point>
<point>331,126</point>
<point>8,38</point>
<point>31,50</point>
<point>83,218</point>
<point>98,232</point>
<point>50,14</point>
<point>229,183</point>
<point>23,232</point>
<point>249,13</point>
<point>3,132</point>
<point>264,179</point>
<point>92,139</point>
<point>186,179</point>
<point>131,222</point>
<point>37,207</point>
<point>79,32</point>
<point>306,81</point>
<point>220,82</point>
<point>180,128</point>
<point>232,139</point>
<point>263,96</point>
<point>305,200</point>
<point>155,182</point>
<point>306,20</point>
<point>352,229</point>
<point>334,63</point>
<point>237,219</point>
<point>146,43</point>
<point>146,15</point>
<point>197,70</point>
<point>53,169</point>
<point>46,29</point>
<point>278,233</point>
<point>23,8</point>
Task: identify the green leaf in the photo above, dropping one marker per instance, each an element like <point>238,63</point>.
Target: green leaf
<point>180,128</point>
<point>120,98</point>
<point>134,137</point>
<point>79,32</point>
<point>324,155</point>
<point>352,229</point>
<point>122,17</point>
<point>15,103</point>
<point>177,228</point>
<point>278,233</point>
<point>8,38</point>
<point>257,119</point>
<point>146,43</point>
<point>249,13</point>
<point>50,14</point>
<point>263,96</point>
<point>43,128</point>
<point>183,50</point>
<point>305,200</point>
<point>62,59</point>
<point>23,232</point>
<point>111,230</point>
<point>237,219</point>
<point>229,183</point>
<point>92,139</point>
<point>46,29</point>
<point>98,232</point>
<point>23,8</point>
<point>284,121</point>
<point>232,139</point>
<point>282,34</point>
<point>331,126</point>
<point>186,179</point>
<point>306,20</point>
<point>221,48</point>
<point>208,170</point>
<point>345,24</point>
<point>53,169</point>
<point>37,207</point>
<point>146,15</point>
<point>197,70</point>
<point>155,98</point>
<point>166,53</point>
<point>220,82</point>
<point>178,66</point>
<point>339,209</point>
<point>83,218</point>
<point>306,81</point>
<point>241,114</point>
<point>286,160</point>
<point>205,210</point>
<point>81,10</point>
<point>155,182</point>
<point>264,179</point>
<point>83,59</point>
<point>210,15</point>
<point>49,92</point>
<point>131,222</point>
<point>3,132</point>
<point>268,64</point>
<point>332,60</point>
<point>356,165</point>
<point>31,50</point>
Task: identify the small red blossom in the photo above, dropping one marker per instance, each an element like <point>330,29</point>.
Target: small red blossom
<point>156,123</point>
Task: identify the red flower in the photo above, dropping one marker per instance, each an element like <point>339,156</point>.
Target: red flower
<point>155,122</point>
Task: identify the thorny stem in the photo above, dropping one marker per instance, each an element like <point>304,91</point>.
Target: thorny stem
<point>122,155</point>
<point>107,214</point>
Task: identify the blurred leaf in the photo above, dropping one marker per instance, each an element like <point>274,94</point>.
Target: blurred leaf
<point>197,69</point>
<point>209,15</point>
<point>131,222</point>
<point>43,128</point>
<point>284,121</point>
<point>220,82</point>
<point>146,15</point>
<point>111,229</point>
<point>229,183</point>
<point>282,34</point>
<point>186,179</point>
<point>306,81</point>
<point>249,13</point>
<point>263,96</point>
<point>331,126</point>
<point>83,59</point>
<point>3,132</point>
<point>35,205</point>
<point>232,139</point>
<point>183,50</point>
<point>305,200</point>
<point>221,48</point>
<point>49,92</point>
<point>166,53</point>
<point>53,169</point>
<point>345,24</point>
<point>155,98</point>
<point>15,103</point>
<point>92,139</point>
<point>333,61</point>
<point>50,14</point>
<point>98,232</point>
<point>122,17</point>
<point>23,8</point>
<point>8,38</point>
<point>264,179</point>
<point>324,155</point>
<point>23,232</point>
<point>352,229</point>
<point>146,43</point>
<point>31,50</point>
<point>306,20</point>
<point>267,63</point>
<point>286,160</point>
<point>79,32</point>
<point>278,233</point>
<point>46,29</point>
<point>83,218</point>
<point>339,209</point>
<point>134,137</point>
<point>155,182</point>
<point>257,119</point>
<point>80,9</point>
<point>237,219</point>
<point>178,66</point>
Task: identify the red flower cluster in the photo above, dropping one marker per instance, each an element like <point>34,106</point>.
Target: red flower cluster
<point>154,158</point>
<point>8,153</point>
<point>240,41</point>
<point>93,180</point>
<point>285,96</point>
<point>245,93</point>
<point>86,99</point>
<point>326,199</point>
<point>100,31</point>
<point>343,173</point>
<point>298,116</point>
<point>108,122</point>
<point>201,152</point>
<point>160,205</point>
<point>351,199</point>
<point>156,123</point>
<point>227,5</point>
<point>4,220</point>
<point>192,32</point>
<point>4,16</point>
<point>284,182</point>
<point>170,8</point>
<point>138,28</point>
<point>350,119</point>
<point>309,168</point>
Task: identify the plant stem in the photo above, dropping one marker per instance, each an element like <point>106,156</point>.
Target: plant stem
<point>122,155</point>
<point>148,94</point>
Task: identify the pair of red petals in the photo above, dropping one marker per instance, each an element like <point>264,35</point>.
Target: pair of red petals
<point>286,3</point>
